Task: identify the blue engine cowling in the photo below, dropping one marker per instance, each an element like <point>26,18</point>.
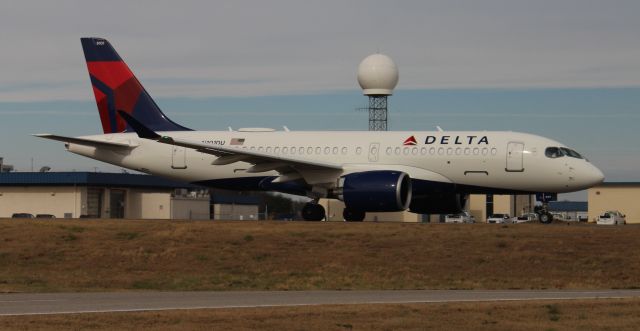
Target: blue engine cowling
<point>379,190</point>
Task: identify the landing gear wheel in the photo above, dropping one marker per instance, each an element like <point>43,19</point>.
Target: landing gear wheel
<point>312,212</point>
<point>545,218</point>
<point>351,215</point>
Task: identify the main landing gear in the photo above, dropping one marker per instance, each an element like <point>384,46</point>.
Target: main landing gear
<point>312,211</point>
<point>351,215</point>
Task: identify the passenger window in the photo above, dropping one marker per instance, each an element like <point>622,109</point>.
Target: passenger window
<point>260,149</point>
<point>397,150</point>
<point>494,151</point>
<point>318,150</point>
<point>485,151</point>
<point>276,150</point>
<point>285,150</point>
<point>388,151</point>
<point>432,150</point>
<point>359,150</point>
<point>269,149</point>
<point>414,151</point>
<point>344,150</point>
<point>467,151</point>
<point>327,150</point>
<point>335,150</point>
<point>441,151</point>
<point>293,150</point>
<point>458,151</point>
<point>449,151</point>
<point>423,151</point>
<point>406,151</point>
<point>476,151</point>
<point>301,150</point>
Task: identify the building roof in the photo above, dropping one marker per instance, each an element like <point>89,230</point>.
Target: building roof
<point>88,179</point>
<point>612,184</point>
<point>568,206</point>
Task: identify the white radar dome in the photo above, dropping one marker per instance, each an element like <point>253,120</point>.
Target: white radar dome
<point>377,75</point>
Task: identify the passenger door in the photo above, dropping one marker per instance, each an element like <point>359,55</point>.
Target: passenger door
<point>515,155</point>
<point>178,157</point>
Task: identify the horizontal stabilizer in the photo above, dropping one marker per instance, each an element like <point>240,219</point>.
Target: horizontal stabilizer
<point>85,141</point>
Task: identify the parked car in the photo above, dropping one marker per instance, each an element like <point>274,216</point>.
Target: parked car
<point>463,217</point>
<point>611,217</point>
<point>529,217</point>
<point>500,219</point>
<point>22,215</point>
<point>45,216</point>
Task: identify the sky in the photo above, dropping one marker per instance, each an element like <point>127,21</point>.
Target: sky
<point>565,69</point>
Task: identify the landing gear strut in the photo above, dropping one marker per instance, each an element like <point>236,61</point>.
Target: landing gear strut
<point>312,211</point>
<point>351,215</point>
<point>544,215</point>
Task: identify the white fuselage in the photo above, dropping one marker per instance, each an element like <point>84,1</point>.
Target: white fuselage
<point>492,160</point>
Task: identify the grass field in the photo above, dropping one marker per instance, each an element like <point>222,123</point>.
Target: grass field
<point>65,255</point>
<point>538,315</point>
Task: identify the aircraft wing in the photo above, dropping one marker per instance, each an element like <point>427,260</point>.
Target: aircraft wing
<point>289,168</point>
<point>227,155</point>
<point>84,141</point>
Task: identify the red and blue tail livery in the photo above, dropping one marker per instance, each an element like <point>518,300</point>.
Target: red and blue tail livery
<point>116,88</point>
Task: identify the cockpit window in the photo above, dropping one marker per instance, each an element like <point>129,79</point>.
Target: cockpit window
<point>571,153</point>
<point>552,152</point>
<point>555,152</point>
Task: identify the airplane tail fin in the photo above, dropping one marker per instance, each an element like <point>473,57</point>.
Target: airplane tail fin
<point>116,88</point>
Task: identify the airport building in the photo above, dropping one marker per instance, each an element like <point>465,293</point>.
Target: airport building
<point>133,196</point>
<point>236,207</point>
<point>100,195</point>
<point>621,196</point>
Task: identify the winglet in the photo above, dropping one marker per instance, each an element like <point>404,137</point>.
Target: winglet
<point>139,128</point>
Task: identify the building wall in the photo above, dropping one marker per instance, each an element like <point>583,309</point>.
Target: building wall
<point>400,216</point>
<point>612,197</point>
<point>53,200</point>
<point>235,212</point>
<point>478,207</point>
<point>502,204</point>
<point>149,205</point>
<point>194,208</point>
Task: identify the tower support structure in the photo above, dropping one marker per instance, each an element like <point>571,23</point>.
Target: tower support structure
<point>378,113</point>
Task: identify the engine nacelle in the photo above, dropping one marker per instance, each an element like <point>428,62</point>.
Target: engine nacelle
<point>444,203</point>
<point>379,190</point>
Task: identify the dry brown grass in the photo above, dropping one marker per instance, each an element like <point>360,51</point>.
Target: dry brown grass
<point>61,255</point>
<point>540,315</point>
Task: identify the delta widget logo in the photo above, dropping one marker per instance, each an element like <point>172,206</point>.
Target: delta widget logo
<point>410,141</point>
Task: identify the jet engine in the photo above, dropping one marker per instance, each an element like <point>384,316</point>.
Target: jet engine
<point>375,191</point>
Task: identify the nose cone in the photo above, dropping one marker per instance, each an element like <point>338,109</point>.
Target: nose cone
<point>593,176</point>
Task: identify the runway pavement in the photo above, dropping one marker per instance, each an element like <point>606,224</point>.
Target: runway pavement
<point>67,303</point>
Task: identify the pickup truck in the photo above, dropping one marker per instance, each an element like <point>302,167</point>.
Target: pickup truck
<point>611,217</point>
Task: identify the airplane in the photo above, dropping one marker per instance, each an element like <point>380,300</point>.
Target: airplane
<point>430,172</point>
